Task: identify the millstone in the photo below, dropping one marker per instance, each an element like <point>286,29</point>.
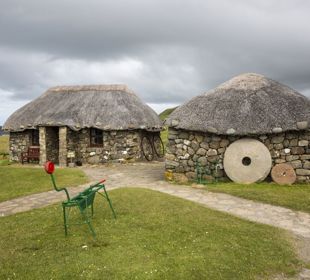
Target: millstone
<point>247,161</point>
<point>283,174</point>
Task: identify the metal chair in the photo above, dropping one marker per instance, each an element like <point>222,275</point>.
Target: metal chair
<point>83,201</point>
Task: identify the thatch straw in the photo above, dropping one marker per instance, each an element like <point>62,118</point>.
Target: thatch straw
<point>247,104</point>
<point>107,107</point>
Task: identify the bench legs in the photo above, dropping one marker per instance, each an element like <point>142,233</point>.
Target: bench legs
<point>106,196</point>
<point>66,210</point>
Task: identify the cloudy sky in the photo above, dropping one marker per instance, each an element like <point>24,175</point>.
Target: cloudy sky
<point>165,50</point>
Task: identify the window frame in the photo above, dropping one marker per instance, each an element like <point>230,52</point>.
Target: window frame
<point>95,137</point>
<point>35,135</point>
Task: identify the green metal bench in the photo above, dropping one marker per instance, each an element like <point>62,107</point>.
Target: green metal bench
<point>83,201</point>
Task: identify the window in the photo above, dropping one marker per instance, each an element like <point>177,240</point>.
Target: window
<point>96,137</point>
<point>35,137</point>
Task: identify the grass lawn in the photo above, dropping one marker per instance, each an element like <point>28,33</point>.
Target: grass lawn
<point>155,236</point>
<point>164,136</point>
<point>19,181</point>
<point>296,197</point>
<point>4,144</point>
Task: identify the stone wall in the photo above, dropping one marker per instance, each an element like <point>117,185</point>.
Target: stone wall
<point>56,142</point>
<point>19,142</point>
<point>117,146</point>
<point>186,149</point>
<point>52,144</point>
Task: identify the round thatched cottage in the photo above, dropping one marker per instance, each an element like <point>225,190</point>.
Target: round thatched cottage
<point>86,124</point>
<point>223,131</point>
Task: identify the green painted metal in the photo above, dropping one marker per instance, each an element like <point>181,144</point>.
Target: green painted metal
<point>208,170</point>
<point>83,201</point>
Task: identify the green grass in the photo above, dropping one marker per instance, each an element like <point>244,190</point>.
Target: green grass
<point>164,136</point>
<point>19,181</point>
<point>155,236</point>
<point>296,197</point>
<point>4,144</point>
<point>166,113</point>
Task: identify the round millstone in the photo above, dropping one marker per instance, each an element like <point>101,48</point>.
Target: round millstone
<point>283,174</point>
<point>247,161</point>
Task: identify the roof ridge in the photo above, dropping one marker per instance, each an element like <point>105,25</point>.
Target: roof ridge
<point>102,87</point>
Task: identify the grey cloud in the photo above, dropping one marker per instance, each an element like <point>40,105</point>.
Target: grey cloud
<point>181,48</point>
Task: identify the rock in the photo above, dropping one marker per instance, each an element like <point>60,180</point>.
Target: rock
<point>187,142</point>
<point>301,179</point>
<point>283,174</point>
<point>212,159</point>
<point>174,123</point>
<point>303,172</point>
<point>211,129</point>
<point>291,157</point>
<point>183,135</point>
<point>178,141</point>
<point>302,125</point>
<point>293,142</point>
<point>286,143</point>
<point>211,152</point>
<point>277,130</point>
<point>172,136</point>
<point>180,178</point>
<point>173,131</point>
<point>199,138</point>
<point>296,164</point>
<point>190,151</point>
<point>297,150</point>
<point>224,143</point>
<point>263,137</point>
<point>306,165</point>
<point>303,143</point>
<point>201,152</point>
<point>221,150</point>
<point>168,175</point>
<point>230,131</point>
<point>170,157</point>
<point>195,145</point>
<point>204,145</point>
<point>190,163</point>
<point>203,161</point>
<point>198,186</point>
<point>278,146</point>
<point>287,151</point>
<point>186,156</point>
<point>191,175</point>
<point>247,161</point>
<point>304,157</point>
<point>170,164</point>
<point>279,160</point>
<point>214,145</point>
<point>277,139</point>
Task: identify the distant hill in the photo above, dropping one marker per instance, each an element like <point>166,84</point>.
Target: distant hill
<point>165,114</point>
<point>2,132</point>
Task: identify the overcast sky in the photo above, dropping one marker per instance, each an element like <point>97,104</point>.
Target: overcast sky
<point>166,50</point>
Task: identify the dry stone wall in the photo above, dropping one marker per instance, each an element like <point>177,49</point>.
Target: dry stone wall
<point>56,142</point>
<point>117,146</point>
<point>187,148</point>
<point>19,143</point>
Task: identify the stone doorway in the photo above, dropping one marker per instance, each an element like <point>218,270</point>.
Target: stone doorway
<point>52,144</point>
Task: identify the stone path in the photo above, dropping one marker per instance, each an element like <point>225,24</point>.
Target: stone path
<point>150,176</point>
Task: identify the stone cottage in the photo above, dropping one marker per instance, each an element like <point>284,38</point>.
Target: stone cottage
<point>93,124</point>
<point>250,107</point>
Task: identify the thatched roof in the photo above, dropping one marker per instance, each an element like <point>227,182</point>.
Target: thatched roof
<point>247,104</point>
<point>107,107</point>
